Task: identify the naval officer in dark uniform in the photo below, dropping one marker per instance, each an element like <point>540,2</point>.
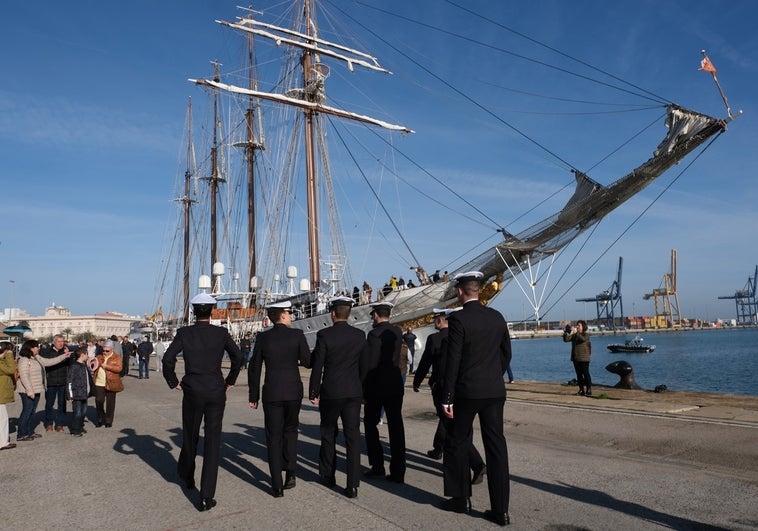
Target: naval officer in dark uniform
<point>335,387</point>
<point>383,388</point>
<point>283,350</point>
<point>478,352</point>
<point>434,357</point>
<point>202,346</point>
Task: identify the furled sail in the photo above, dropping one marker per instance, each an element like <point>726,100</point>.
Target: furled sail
<point>591,201</point>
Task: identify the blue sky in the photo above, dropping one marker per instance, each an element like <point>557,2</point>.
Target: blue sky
<point>92,111</point>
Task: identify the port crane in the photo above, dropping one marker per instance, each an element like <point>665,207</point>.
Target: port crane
<point>669,300</point>
<point>745,301</point>
<point>607,301</point>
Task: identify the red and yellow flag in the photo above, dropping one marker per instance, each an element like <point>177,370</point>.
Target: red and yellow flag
<point>706,65</point>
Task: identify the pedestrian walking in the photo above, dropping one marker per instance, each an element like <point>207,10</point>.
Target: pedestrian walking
<point>478,353</point>
<point>204,393</point>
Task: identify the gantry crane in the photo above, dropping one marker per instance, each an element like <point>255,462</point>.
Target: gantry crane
<point>669,298</point>
<point>744,300</point>
<point>606,302</point>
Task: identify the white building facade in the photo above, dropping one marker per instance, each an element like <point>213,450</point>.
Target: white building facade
<point>57,319</point>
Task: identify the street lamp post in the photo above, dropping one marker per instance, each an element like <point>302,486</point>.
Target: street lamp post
<point>10,301</point>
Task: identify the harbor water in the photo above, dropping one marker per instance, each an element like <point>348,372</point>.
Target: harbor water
<point>714,361</point>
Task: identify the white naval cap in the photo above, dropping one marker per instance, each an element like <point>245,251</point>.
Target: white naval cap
<point>444,311</point>
<point>202,298</point>
<point>282,304</point>
<point>341,301</point>
<point>468,275</point>
<point>382,304</point>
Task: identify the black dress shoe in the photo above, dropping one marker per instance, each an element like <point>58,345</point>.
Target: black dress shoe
<point>98,424</point>
<point>456,505</point>
<point>277,493</point>
<point>107,425</point>
<point>479,475</point>
<point>501,519</point>
<point>394,479</point>
<point>328,482</point>
<point>435,454</point>
<point>206,504</point>
<point>375,472</point>
<point>289,481</point>
<point>351,492</point>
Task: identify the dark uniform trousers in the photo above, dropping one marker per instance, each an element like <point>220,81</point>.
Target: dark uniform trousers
<point>475,461</point>
<point>457,479</point>
<point>372,409</point>
<point>440,434</point>
<point>196,406</point>
<point>281,421</point>
<point>349,410</point>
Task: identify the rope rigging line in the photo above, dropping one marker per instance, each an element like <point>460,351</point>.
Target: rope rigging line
<point>634,222</point>
<point>609,155</point>
<point>454,88</point>
<point>424,194</point>
<point>376,196</point>
<point>633,106</point>
<point>495,224</point>
<point>653,97</point>
<point>519,56</point>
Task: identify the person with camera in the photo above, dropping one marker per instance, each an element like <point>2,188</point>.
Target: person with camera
<point>581,350</point>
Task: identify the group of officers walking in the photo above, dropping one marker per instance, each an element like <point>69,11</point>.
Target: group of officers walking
<point>468,356</point>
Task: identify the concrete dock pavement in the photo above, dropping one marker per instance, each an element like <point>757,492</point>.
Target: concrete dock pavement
<point>628,460</point>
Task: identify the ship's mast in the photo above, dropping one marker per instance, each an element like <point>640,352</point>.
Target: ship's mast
<point>311,100</point>
<point>250,148</point>
<point>311,93</point>
<point>187,204</point>
<point>215,177</point>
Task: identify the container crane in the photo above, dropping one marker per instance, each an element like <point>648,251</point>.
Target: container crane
<point>670,316</point>
<point>606,302</point>
<point>745,302</point>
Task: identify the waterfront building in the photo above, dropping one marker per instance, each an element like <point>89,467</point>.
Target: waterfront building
<point>58,318</point>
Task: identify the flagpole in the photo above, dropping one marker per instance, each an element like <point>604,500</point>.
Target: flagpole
<point>707,66</point>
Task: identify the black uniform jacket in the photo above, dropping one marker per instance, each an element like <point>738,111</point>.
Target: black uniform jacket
<point>337,356</point>
<point>381,370</point>
<point>282,349</point>
<point>434,357</point>
<point>202,345</point>
<point>478,353</point>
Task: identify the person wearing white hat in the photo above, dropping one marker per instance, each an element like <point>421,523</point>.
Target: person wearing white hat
<point>383,389</point>
<point>335,387</point>
<point>434,358</point>
<point>478,352</point>
<point>204,386</point>
<point>282,349</point>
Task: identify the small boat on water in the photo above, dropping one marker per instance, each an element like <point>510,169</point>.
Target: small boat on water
<point>632,345</point>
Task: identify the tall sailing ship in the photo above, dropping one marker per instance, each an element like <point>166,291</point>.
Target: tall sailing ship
<point>244,218</point>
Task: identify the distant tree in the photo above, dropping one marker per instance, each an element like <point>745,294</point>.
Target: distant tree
<point>84,336</point>
<point>24,323</point>
<point>66,332</point>
<point>45,340</point>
